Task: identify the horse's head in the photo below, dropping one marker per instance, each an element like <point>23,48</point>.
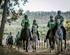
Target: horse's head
<point>58,21</point>
<point>59,32</point>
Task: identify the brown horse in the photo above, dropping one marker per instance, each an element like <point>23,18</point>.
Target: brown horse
<point>25,35</point>
<point>51,37</point>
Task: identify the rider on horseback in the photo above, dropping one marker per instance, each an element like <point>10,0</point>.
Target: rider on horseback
<point>60,31</point>
<point>36,26</point>
<point>59,21</point>
<point>35,34</point>
<point>25,24</point>
<point>58,18</point>
<point>51,25</point>
<point>25,20</point>
<point>50,33</point>
<point>25,32</point>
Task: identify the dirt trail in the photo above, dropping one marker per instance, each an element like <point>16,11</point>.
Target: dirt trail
<point>43,51</point>
<point>11,51</point>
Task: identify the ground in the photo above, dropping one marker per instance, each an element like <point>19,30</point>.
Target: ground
<point>43,51</point>
<point>39,51</point>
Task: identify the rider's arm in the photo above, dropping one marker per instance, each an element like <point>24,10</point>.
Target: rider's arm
<point>32,30</point>
<point>28,22</point>
<point>37,25</point>
<point>56,19</point>
<point>62,19</point>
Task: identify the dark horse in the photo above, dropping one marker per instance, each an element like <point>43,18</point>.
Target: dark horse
<point>35,36</point>
<point>25,35</point>
<point>51,36</point>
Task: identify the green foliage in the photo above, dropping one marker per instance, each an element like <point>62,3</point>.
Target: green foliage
<point>14,16</point>
<point>20,12</point>
<point>13,3</point>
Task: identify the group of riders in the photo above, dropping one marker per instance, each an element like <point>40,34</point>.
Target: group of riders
<point>56,32</point>
<point>53,23</point>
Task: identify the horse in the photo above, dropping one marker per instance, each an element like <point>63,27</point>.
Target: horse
<point>35,36</point>
<point>51,37</point>
<point>60,35</point>
<point>25,35</point>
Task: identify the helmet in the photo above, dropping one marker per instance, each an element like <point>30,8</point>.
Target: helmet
<point>34,20</point>
<point>51,16</point>
<point>25,16</point>
<point>58,12</point>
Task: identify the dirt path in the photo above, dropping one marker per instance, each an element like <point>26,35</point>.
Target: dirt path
<point>43,51</point>
<point>11,51</point>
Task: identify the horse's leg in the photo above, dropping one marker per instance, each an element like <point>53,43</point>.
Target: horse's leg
<point>64,35</point>
<point>53,44</point>
<point>35,45</point>
<point>58,45</point>
<point>50,44</point>
<point>61,45</point>
<point>26,45</point>
<point>47,43</point>
<point>65,43</point>
<point>23,44</point>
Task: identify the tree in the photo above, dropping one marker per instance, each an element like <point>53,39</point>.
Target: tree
<point>4,15</point>
<point>0,1</point>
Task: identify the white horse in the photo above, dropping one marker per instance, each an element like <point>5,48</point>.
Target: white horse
<point>59,37</point>
<point>34,36</point>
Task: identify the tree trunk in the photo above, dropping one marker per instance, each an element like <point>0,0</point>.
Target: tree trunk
<point>3,21</point>
<point>0,1</point>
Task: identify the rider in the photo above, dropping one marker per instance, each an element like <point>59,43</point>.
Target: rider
<point>25,20</point>
<point>59,18</point>
<point>51,25</point>
<point>36,26</point>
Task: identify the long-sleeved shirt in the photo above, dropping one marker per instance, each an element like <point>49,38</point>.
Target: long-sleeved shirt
<point>59,19</point>
<point>51,24</point>
<point>23,22</point>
